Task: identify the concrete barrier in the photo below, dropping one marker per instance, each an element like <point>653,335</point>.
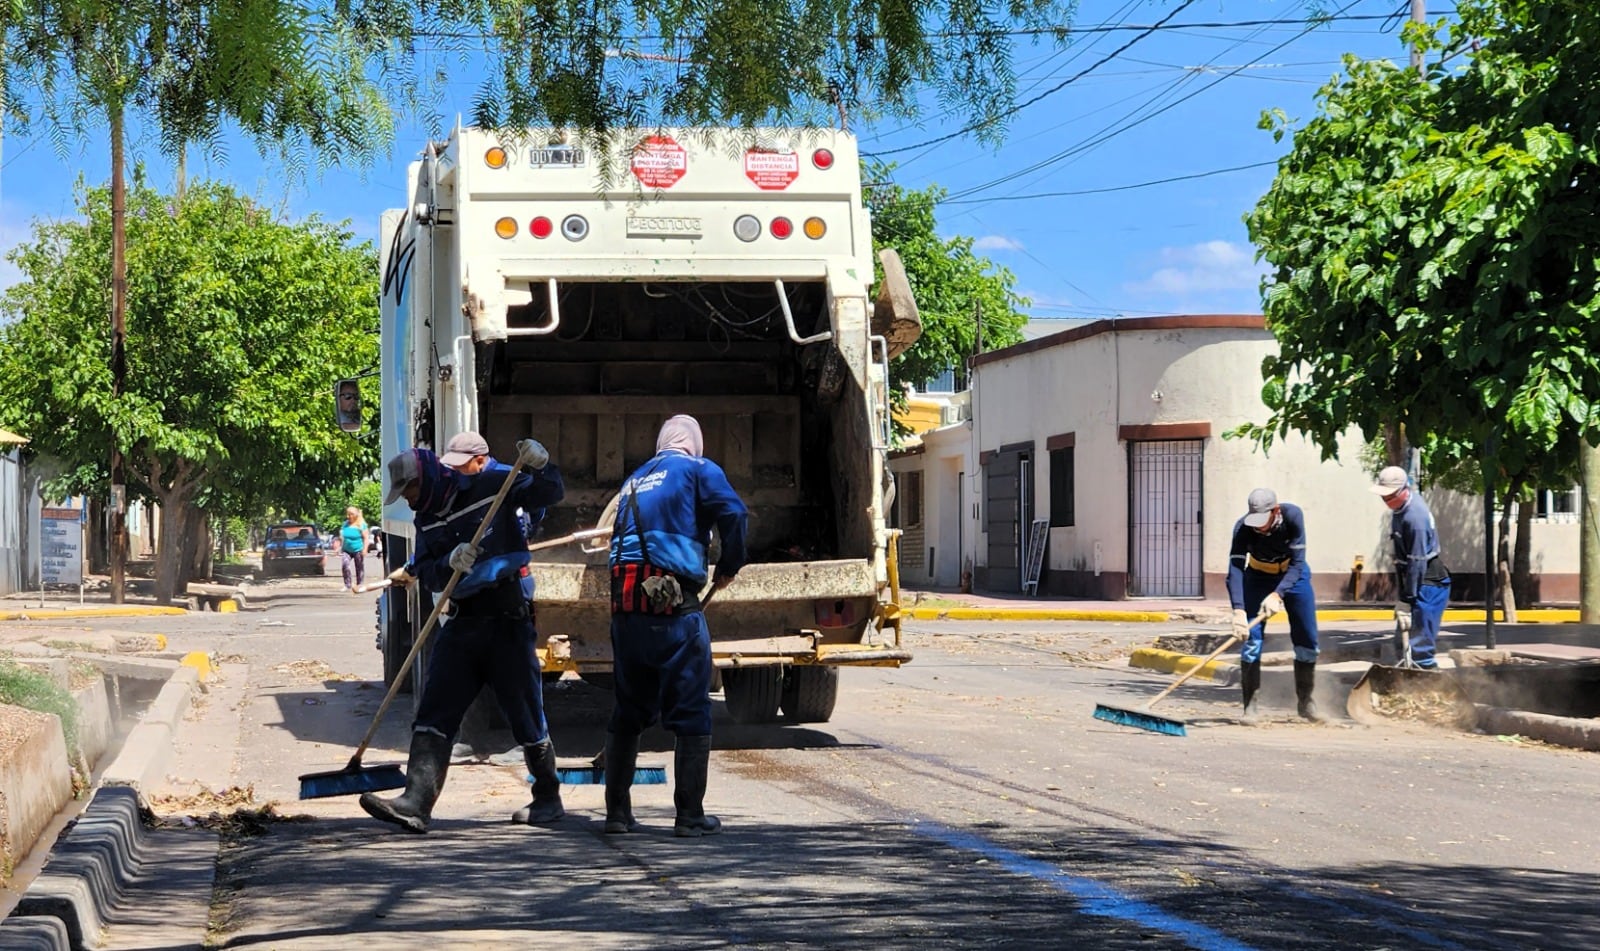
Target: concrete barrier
<point>35,781</point>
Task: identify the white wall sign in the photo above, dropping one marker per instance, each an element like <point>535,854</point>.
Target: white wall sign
<point>61,555</point>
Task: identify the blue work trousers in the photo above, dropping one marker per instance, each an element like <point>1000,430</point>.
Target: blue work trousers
<point>473,651</point>
<point>1426,613</point>
<point>663,670</point>
<point>1298,602</point>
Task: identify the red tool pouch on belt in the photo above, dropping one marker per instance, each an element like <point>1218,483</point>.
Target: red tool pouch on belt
<point>627,589</point>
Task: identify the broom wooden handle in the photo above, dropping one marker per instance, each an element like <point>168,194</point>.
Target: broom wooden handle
<point>1229,642</point>
<point>433,619</point>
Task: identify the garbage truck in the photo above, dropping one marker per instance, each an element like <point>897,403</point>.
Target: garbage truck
<point>537,285</point>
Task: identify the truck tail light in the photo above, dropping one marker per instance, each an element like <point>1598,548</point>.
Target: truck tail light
<point>781,228</point>
<point>575,227</point>
<point>506,227</point>
<point>822,158</point>
<point>495,157</point>
<point>815,228</point>
<point>747,227</point>
<point>541,227</point>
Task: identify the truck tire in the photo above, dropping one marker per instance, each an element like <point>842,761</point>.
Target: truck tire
<point>396,635</point>
<point>753,693</point>
<point>810,693</point>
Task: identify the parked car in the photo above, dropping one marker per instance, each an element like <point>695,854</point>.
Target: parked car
<point>292,548</point>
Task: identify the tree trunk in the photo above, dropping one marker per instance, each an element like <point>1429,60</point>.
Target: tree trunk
<point>170,545</point>
<point>1589,525</point>
<point>1502,555</point>
<point>200,547</point>
<point>194,524</point>
<point>1522,555</point>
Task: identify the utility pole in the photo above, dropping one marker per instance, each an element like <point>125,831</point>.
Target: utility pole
<point>1419,14</point>
<point>119,364</point>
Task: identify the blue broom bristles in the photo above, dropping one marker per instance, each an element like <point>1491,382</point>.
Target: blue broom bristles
<point>596,775</point>
<point>1142,721</point>
<point>347,782</point>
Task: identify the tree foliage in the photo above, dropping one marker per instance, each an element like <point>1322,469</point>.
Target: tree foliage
<point>238,325</point>
<point>950,282</point>
<point>1432,246</point>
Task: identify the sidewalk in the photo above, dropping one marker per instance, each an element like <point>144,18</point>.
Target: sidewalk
<point>138,601</point>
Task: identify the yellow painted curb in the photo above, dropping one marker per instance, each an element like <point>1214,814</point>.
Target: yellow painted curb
<point>201,662</point>
<point>124,610</point>
<point>1172,662</point>
<point>227,606</point>
<point>1530,615</point>
<point>1030,614</point>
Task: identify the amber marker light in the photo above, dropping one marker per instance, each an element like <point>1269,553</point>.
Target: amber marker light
<point>495,158</point>
<point>815,228</point>
<point>506,227</point>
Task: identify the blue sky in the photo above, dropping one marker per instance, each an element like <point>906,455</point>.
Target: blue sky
<point>1177,102</point>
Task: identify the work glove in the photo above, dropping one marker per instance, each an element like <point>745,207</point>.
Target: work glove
<point>1272,604</point>
<point>1241,624</point>
<point>400,577</point>
<point>1402,617</point>
<point>464,557</point>
<point>531,455</point>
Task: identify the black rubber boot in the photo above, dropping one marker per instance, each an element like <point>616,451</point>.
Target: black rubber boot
<point>691,762</point>
<point>425,772</point>
<point>546,805</point>
<point>1305,679</point>
<point>1250,682</point>
<point>622,758</point>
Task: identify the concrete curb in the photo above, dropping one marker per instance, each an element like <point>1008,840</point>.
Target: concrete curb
<point>1032,614</point>
<point>1172,662</point>
<point>121,610</point>
<point>148,749</point>
<point>1531,616</point>
<point>1561,731</point>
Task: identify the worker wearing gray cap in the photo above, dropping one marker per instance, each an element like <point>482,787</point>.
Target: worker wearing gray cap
<point>1267,571</point>
<point>1422,581</point>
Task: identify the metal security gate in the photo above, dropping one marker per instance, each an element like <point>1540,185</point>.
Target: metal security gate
<point>1164,528</point>
<point>1004,493</point>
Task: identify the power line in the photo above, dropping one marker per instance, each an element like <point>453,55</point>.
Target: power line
<point>1113,188</point>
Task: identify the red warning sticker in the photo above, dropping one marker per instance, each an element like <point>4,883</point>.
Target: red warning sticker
<point>771,171</point>
<point>659,162</point>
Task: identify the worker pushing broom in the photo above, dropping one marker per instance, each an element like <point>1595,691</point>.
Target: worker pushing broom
<point>471,551</point>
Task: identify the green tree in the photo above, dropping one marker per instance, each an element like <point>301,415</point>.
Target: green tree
<point>951,283</point>
<point>239,324</point>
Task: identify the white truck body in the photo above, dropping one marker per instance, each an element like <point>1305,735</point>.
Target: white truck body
<point>529,290</point>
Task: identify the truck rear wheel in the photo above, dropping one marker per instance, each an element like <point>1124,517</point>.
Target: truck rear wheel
<point>753,693</point>
<point>810,693</point>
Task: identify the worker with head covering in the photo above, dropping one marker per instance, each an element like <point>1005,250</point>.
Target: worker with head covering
<point>489,637</point>
<point>1267,572</point>
<point>661,648</point>
<point>1422,581</point>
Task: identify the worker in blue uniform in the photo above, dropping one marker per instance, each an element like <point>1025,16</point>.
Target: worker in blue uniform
<point>1422,581</point>
<point>489,636</point>
<point>661,648</point>
<point>1267,572</point>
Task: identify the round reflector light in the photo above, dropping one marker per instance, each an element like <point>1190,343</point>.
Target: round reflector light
<point>822,158</point>
<point>574,227</point>
<point>781,227</point>
<point>541,227</point>
<point>747,227</point>
<point>495,157</point>
<point>506,227</point>
<point>815,228</point>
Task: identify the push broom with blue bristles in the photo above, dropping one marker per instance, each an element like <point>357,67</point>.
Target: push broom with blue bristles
<point>1141,717</point>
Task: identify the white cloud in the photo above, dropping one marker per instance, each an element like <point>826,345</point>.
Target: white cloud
<point>1206,270</point>
<point>996,242</point>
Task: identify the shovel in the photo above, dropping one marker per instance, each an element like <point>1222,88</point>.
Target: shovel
<point>1409,692</point>
<point>355,778</point>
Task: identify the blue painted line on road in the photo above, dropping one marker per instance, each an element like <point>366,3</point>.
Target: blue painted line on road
<point>1096,898</point>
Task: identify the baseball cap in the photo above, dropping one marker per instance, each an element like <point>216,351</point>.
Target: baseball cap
<point>1390,481</point>
<point>462,447</point>
<point>403,470</point>
<point>1261,502</point>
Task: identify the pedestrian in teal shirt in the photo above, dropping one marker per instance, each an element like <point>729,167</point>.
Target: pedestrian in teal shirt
<point>353,541</point>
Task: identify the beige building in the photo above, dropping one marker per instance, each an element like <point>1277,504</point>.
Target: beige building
<point>1100,451</point>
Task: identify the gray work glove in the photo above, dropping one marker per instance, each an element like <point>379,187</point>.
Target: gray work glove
<point>1241,624</point>
<point>1272,604</point>
<point>400,577</point>
<point>531,455</point>
<point>464,557</point>
<point>1402,617</point>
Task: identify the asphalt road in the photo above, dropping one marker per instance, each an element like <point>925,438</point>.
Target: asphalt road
<point>966,800</point>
